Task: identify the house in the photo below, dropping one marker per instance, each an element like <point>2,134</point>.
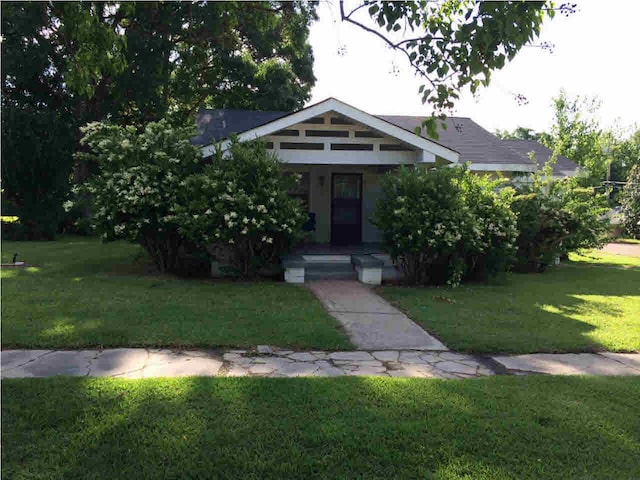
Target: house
<point>561,168</point>
<point>342,152</point>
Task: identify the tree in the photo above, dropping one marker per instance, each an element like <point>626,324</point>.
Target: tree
<point>36,162</point>
<point>137,62</point>
<point>576,134</point>
<point>454,44</point>
<point>606,154</point>
<point>520,133</point>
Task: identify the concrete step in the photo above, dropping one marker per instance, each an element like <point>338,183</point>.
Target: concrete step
<point>329,271</point>
<point>311,275</point>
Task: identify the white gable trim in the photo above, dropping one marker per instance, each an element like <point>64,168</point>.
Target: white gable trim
<point>501,167</point>
<point>331,104</point>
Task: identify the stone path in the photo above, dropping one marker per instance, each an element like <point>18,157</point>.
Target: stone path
<point>605,363</point>
<point>268,361</point>
<point>264,362</point>
<point>627,249</point>
<point>371,322</point>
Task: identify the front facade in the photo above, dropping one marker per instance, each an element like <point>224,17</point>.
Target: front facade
<point>341,153</point>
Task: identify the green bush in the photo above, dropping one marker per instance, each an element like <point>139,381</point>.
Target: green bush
<point>240,210</point>
<point>445,225</point>
<point>630,203</point>
<point>556,217</point>
<point>155,188</point>
<point>140,179</point>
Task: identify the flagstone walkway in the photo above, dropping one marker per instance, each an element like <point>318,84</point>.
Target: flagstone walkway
<point>268,361</point>
<point>265,361</point>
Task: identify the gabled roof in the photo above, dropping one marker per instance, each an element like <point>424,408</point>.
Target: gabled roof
<point>217,124</point>
<point>463,139</point>
<point>475,144</point>
<point>329,105</point>
<point>542,154</point>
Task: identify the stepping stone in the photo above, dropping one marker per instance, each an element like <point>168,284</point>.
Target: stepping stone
<point>265,349</point>
<point>261,369</point>
<point>350,356</point>
<point>298,370</point>
<point>368,371</point>
<point>232,356</point>
<point>386,355</point>
<point>453,367</point>
<point>303,357</point>
<point>236,371</point>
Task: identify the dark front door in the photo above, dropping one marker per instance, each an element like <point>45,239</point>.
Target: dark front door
<point>346,208</point>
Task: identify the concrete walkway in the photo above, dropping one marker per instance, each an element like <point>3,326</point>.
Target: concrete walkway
<point>627,249</point>
<point>605,363</point>
<point>268,361</point>
<point>370,321</point>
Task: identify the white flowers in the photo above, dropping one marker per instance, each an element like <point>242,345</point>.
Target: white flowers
<point>267,239</point>
<point>261,209</point>
<point>208,212</point>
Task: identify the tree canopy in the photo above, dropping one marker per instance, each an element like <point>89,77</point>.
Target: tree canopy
<point>453,44</point>
<point>66,64</point>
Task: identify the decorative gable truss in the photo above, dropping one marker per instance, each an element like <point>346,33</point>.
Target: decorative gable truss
<point>334,133</point>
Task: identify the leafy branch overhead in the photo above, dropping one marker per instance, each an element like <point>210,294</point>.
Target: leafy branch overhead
<point>452,44</point>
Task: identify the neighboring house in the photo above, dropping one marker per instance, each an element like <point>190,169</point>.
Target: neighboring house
<point>562,167</point>
<point>342,152</point>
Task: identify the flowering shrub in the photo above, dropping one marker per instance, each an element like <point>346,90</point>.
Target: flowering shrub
<point>154,188</point>
<point>240,209</point>
<point>139,184</point>
<point>444,225</point>
<point>490,248</point>
<point>554,218</point>
<point>630,202</point>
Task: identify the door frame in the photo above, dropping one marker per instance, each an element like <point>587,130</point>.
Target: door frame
<point>333,174</point>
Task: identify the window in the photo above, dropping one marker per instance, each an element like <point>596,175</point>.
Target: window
<point>301,189</point>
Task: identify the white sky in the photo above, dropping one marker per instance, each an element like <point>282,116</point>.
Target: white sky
<point>597,53</point>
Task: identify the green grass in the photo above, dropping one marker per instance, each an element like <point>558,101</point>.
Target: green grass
<point>81,293</point>
<point>591,303</point>
<point>345,428</point>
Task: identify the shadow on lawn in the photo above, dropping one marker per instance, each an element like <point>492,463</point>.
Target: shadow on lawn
<point>571,308</point>
<point>320,428</point>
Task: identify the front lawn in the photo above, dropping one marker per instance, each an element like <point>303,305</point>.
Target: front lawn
<point>587,304</point>
<point>251,428</point>
<point>82,293</point>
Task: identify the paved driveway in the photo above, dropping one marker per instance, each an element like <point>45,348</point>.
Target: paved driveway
<point>628,249</point>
